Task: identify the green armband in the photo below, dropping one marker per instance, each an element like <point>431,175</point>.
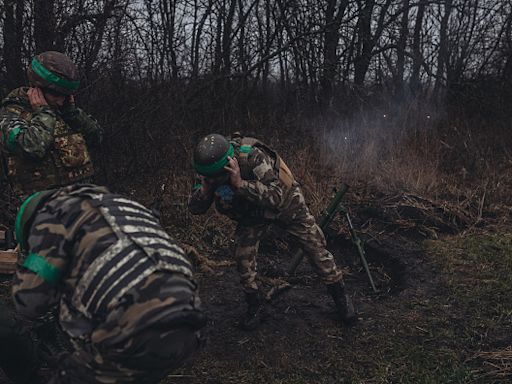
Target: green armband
<point>11,139</point>
<point>197,186</point>
<point>42,268</point>
<point>245,148</point>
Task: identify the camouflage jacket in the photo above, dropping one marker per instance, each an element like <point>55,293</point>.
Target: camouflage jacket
<point>262,195</point>
<point>106,264</point>
<point>45,147</point>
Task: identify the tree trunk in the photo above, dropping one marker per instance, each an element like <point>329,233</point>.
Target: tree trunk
<point>13,42</point>
<point>401,47</point>
<point>443,48</point>
<point>44,25</point>
<point>365,46</point>
<point>367,39</point>
<point>417,57</point>
<point>226,38</point>
<point>331,39</point>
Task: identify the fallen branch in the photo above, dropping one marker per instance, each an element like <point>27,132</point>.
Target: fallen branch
<point>8,261</point>
<point>205,264</point>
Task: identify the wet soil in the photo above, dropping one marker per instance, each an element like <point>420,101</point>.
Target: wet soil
<point>301,339</point>
<point>408,332</point>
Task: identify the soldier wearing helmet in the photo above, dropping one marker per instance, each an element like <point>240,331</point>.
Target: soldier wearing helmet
<point>122,290</point>
<point>44,136</point>
<point>250,183</point>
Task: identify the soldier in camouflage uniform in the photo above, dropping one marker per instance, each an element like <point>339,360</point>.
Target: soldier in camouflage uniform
<point>44,137</point>
<point>250,183</point>
<point>123,290</point>
<point>44,141</point>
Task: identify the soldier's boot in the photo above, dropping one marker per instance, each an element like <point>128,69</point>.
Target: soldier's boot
<point>252,318</point>
<point>343,303</point>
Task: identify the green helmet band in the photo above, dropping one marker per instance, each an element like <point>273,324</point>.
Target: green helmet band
<point>212,169</point>
<point>40,70</point>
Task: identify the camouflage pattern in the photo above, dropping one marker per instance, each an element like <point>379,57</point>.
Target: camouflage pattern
<point>126,298</point>
<point>44,148</point>
<point>262,199</point>
<point>57,63</point>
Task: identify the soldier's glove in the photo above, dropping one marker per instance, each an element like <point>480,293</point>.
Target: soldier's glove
<point>69,113</point>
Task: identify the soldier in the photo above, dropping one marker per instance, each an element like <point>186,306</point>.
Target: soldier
<point>43,135</point>
<point>123,290</point>
<point>251,184</point>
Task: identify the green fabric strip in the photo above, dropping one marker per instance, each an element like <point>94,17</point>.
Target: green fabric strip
<point>211,169</point>
<point>11,140</point>
<point>52,78</point>
<point>18,222</point>
<point>41,267</point>
<point>197,186</point>
<point>245,148</point>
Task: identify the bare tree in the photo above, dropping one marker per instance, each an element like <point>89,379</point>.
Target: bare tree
<point>44,25</point>
<point>13,42</point>
<point>334,13</point>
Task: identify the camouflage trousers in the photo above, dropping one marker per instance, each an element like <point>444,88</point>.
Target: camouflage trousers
<point>153,332</point>
<point>300,224</point>
<point>146,358</point>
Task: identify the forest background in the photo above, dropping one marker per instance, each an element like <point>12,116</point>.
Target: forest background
<point>408,101</point>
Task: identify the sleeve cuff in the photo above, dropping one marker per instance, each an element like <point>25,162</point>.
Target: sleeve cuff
<point>70,113</point>
<point>243,190</point>
<point>45,109</point>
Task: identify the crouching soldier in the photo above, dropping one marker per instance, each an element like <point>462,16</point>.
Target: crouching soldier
<point>250,183</point>
<point>123,290</point>
<point>44,137</point>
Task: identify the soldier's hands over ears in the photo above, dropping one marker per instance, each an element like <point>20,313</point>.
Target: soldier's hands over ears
<point>36,97</point>
<point>234,172</point>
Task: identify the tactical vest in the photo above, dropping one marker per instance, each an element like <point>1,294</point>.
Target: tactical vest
<point>142,248</point>
<point>280,167</point>
<point>67,161</point>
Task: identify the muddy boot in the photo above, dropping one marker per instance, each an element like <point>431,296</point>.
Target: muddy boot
<point>252,319</point>
<point>343,303</point>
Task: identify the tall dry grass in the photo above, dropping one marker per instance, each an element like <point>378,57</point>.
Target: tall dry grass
<point>392,147</point>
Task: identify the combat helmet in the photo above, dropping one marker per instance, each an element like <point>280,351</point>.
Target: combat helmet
<point>54,70</point>
<point>211,155</point>
<point>26,215</point>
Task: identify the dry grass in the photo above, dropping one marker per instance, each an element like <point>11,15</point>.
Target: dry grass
<point>496,364</point>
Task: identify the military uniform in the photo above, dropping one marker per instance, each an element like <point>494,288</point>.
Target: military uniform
<point>267,194</point>
<point>124,290</point>
<point>44,147</point>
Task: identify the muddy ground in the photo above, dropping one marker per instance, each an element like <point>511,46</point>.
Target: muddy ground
<point>441,306</point>
<point>432,321</point>
<point>301,340</point>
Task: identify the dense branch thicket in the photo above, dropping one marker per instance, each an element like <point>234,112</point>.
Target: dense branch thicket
<point>159,73</point>
<point>318,48</point>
